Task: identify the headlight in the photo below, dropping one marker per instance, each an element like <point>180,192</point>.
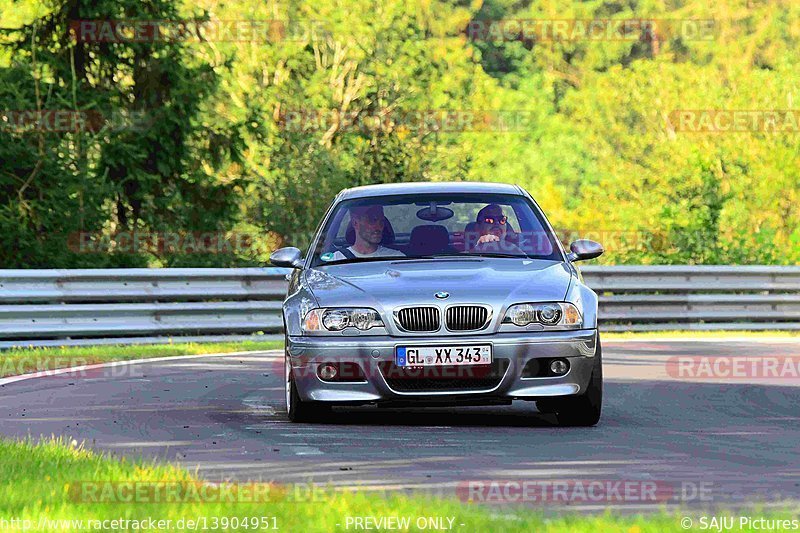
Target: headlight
<point>326,319</point>
<point>547,314</point>
<point>521,315</point>
<point>550,314</point>
<point>336,319</point>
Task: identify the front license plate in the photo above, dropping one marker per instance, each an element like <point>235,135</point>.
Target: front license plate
<point>480,354</point>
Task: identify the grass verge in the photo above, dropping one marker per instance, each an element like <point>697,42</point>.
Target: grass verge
<point>18,361</point>
<point>46,482</point>
<point>614,335</point>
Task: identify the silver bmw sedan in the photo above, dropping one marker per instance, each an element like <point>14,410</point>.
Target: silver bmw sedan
<point>421,294</point>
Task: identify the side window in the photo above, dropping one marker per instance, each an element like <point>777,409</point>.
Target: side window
<point>323,238</point>
<point>533,238</point>
<point>335,232</point>
<point>511,214</point>
<point>343,226</point>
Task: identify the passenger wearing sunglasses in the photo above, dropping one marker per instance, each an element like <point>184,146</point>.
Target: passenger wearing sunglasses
<point>492,226</point>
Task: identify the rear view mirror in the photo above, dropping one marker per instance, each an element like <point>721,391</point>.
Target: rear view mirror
<point>583,249</point>
<point>290,257</point>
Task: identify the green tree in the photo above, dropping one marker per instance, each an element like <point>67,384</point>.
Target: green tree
<point>147,161</point>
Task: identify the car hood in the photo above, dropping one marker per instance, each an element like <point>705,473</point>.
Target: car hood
<point>385,285</point>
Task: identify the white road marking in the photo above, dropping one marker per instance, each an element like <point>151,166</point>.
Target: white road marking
<point>306,450</point>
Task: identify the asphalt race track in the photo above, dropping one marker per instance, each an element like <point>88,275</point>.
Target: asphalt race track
<point>711,441</point>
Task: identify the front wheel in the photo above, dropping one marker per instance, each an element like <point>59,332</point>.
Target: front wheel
<point>584,409</point>
<point>296,409</point>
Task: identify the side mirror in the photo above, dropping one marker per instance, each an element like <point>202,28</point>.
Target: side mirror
<point>585,249</point>
<point>290,257</point>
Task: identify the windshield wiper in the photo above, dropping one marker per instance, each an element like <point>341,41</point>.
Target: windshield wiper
<point>466,256</point>
<point>347,261</point>
<point>493,254</point>
<point>471,255</point>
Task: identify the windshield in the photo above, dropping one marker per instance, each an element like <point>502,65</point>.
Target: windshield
<point>435,225</point>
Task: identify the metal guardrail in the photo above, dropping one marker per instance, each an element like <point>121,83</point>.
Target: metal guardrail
<point>59,307</point>
<point>652,298</point>
<point>69,307</point>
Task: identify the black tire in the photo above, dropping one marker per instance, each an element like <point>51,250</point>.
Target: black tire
<point>298,410</point>
<point>584,409</point>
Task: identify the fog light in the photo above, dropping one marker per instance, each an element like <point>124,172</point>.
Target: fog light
<point>327,372</point>
<point>559,367</point>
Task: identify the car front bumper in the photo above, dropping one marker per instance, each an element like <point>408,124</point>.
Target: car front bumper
<point>307,353</point>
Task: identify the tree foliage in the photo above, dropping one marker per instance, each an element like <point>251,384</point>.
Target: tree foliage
<point>255,137</point>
